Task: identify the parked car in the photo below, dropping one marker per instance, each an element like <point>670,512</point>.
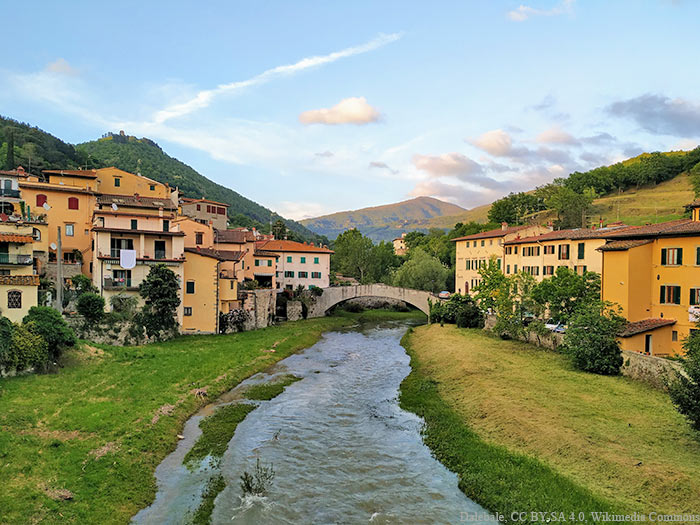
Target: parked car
<point>552,325</point>
<point>561,328</point>
<point>444,295</point>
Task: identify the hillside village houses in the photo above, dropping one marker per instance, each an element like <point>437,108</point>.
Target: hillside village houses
<point>400,245</point>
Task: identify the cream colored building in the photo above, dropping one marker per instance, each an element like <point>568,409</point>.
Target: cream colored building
<point>19,283</point>
<point>299,264</point>
<point>206,211</point>
<point>400,245</point>
<point>474,251</point>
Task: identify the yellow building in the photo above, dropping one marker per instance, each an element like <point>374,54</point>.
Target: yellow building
<point>119,182</point>
<point>19,283</point>
<point>197,235</point>
<point>300,264</point>
<point>210,286</point>
<point>474,252</point>
<point>653,273</point>
<point>400,245</point>
<point>142,225</point>
<point>542,255</point>
<point>257,263</point>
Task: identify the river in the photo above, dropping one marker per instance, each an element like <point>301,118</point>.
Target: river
<point>341,448</point>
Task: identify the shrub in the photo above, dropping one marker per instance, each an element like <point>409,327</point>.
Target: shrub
<point>29,349</point>
<point>91,306</point>
<point>591,340</point>
<point>124,305</point>
<point>685,390</point>
<point>49,324</point>
<point>258,483</point>
<point>7,360</point>
<point>160,293</point>
<point>82,284</point>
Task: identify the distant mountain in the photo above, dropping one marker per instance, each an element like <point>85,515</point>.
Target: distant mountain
<point>146,157</point>
<point>385,222</point>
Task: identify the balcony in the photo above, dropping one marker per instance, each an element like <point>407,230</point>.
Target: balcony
<point>16,259</point>
<point>119,284</point>
<point>9,193</point>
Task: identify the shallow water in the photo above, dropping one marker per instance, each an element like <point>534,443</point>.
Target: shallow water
<point>342,449</point>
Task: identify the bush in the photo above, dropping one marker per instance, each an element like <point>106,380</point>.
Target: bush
<point>591,340</point>
<point>28,349</point>
<point>6,355</point>
<point>459,309</point>
<point>124,305</point>
<point>82,284</point>
<point>685,390</point>
<point>160,293</point>
<point>91,306</point>
<point>49,324</point>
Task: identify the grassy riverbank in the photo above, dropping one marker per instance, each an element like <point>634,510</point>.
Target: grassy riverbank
<point>526,432</point>
<point>81,446</point>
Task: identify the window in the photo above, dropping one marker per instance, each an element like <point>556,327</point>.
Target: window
<point>134,224</point>
<point>36,233</point>
<point>221,211</point>
<point>515,250</point>
<point>563,251</point>
<point>40,200</point>
<point>269,263</point>
<point>548,270</point>
<point>166,225</point>
<point>70,230</point>
<point>581,269</point>
<point>491,242</point>
<point>303,275</point>
<point>498,262</point>
<point>198,238</point>
<point>189,287</point>
<point>531,251</point>
<point>14,299</point>
<point>694,296</point>
<point>670,294</point>
<point>117,245</point>
<point>289,258</point>
<point>159,249</point>
<point>152,187</point>
<point>549,249</point>
<point>117,182</point>
<point>507,268</point>
<point>483,243</point>
<point>674,335</point>
<point>303,260</point>
<point>199,207</point>
<point>468,265</point>
<point>509,250</point>
<point>121,277</point>
<point>315,275</point>
<point>515,268</point>
<point>188,311</point>
<point>289,274</point>
<point>72,203</point>
<point>315,260</point>
<point>257,262</point>
<point>581,250</point>
<point>671,256</point>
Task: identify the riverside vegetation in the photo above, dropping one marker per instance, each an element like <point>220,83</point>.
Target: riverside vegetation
<point>81,445</point>
<point>525,431</point>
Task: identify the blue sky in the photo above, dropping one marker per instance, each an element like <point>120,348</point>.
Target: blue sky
<point>315,107</point>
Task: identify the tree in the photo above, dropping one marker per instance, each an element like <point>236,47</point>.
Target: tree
<point>279,229</point>
<point>161,298</point>
<point>565,291</point>
<point>29,348</point>
<point>91,306</point>
<point>82,284</point>
<point>459,309</point>
<point>50,325</point>
<point>491,284</point>
<point>571,207</point>
<point>695,179</point>
<point>353,255</point>
<point>422,272</point>
<point>591,339</point>
<point>514,302</point>
<point>685,389</point>
<point>10,160</point>
<point>383,261</point>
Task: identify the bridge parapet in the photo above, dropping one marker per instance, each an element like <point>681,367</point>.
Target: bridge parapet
<point>337,294</point>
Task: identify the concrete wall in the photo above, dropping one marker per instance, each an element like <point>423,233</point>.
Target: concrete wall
<point>334,295</point>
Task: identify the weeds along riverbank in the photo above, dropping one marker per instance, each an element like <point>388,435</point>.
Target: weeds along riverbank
<point>527,433</point>
<point>81,445</point>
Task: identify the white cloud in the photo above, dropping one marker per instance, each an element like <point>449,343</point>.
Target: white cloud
<point>556,135</point>
<point>353,110</point>
<point>205,97</point>
<point>382,166</point>
<point>447,164</point>
<point>326,153</point>
<point>495,142</point>
<point>61,67</point>
<point>686,144</point>
<point>301,210</point>
<point>523,12</point>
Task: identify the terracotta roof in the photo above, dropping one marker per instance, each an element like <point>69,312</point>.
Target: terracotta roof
<point>694,204</point>
<point>645,325</point>
<point>134,201</point>
<point>233,236</point>
<point>573,234</point>
<point>221,255</point>
<point>290,246</point>
<point>128,230</point>
<point>264,253</point>
<point>20,280</point>
<point>499,232</point>
<point>194,201</point>
<point>83,174</point>
<point>677,228</point>
<point>55,187</point>
<point>14,237</point>
<point>621,246</point>
<point>19,172</point>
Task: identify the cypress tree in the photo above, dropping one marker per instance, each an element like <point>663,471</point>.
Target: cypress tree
<point>10,161</point>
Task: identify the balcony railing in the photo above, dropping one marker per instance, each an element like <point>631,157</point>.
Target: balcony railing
<point>117,283</point>
<point>8,192</point>
<point>19,259</point>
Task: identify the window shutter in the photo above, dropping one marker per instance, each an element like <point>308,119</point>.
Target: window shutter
<point>663,256</point>
<point>691,301</point>
<point>680,256</point>
<point>662,295</point>
<point>697,255</point>
<point>676,295</point>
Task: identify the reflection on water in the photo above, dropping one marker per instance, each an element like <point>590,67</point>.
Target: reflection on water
<point>342,449</point>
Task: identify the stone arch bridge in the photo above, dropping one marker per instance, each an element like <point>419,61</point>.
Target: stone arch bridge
<point>337,294</point>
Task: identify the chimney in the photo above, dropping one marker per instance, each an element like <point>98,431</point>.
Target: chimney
<point>504,225</point>
<point>20,170</point>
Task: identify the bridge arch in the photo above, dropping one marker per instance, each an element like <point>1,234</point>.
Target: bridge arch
<point>337,294</point>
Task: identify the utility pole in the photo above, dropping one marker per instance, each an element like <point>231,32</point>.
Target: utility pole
<point>59,272</point>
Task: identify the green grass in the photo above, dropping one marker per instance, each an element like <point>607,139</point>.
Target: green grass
<point>519,425</point>
<point>266,391</point>
<point>217,431</point>
<point>202,516</point>
<point>100,426</point>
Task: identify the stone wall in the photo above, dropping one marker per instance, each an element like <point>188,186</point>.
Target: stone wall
<point>294,311</point>
<point>370,303</point>
<point>261,307</point>
<point>655,371</point>
<point>112,333</point>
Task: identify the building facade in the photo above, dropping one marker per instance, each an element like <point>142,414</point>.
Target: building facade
<point>400,245</point>
<point>299,264</point>
<point>206,212</point>
<point>474,251</point>
<point>19,282</point>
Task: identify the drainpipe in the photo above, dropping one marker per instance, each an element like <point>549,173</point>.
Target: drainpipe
<point>216,283</point>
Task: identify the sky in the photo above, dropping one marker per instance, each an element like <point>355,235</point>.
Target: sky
<point>314,107</point>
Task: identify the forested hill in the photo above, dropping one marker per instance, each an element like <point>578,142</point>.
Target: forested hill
<point>39,150</point>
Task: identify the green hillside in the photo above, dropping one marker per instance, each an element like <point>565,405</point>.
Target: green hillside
<point>383,223</point>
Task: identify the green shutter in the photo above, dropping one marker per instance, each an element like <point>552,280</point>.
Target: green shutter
<point>676,295</point>
<point>680,256</point>
<point>692,301</point>
<point>663,256</point>
<point>697,255</point>
<point>662,295</point>
<point>581,250</point>
<point>499,264</point>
